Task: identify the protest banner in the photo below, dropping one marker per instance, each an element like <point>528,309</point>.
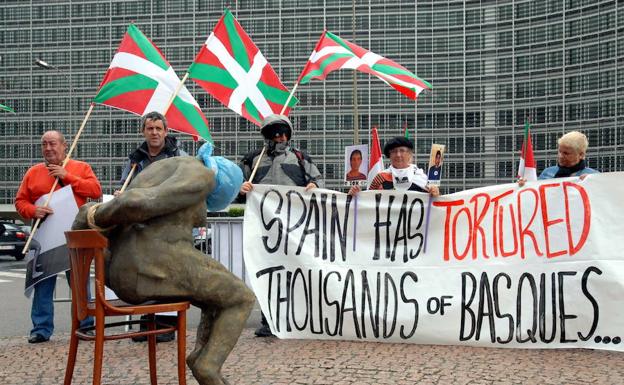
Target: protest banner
<point>49,255</point>
<point>532,267</point>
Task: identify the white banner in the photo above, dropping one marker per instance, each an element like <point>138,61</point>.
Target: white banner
<point>532,267</point>
<point>48,253</point>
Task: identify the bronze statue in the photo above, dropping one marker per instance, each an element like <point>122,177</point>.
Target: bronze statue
<point>152,256</point>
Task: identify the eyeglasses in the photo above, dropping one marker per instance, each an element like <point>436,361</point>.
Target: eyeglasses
<point>400,150</point>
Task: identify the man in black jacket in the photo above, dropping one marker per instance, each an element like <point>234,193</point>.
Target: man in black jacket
<point>157,145</point>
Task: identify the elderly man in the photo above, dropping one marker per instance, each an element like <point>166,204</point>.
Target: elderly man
<point>402,173</point>
<point>281,165</point>
<point>571,149</point>
<point>37,182</point>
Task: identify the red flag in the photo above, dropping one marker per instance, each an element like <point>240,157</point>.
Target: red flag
<point>232,69</point>
<point>527,166</point>
<point>375,161</point>
<point>140,80</point>
<point>333,53</point>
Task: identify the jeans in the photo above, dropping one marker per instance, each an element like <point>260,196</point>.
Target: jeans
<point>42,310</point>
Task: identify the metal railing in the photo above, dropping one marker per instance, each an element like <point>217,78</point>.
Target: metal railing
<point>225,244</point>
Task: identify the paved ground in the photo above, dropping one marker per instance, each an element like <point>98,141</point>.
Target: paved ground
<point>279,362</point>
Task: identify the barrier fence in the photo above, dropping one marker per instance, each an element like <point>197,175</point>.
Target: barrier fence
<point>221,239</point>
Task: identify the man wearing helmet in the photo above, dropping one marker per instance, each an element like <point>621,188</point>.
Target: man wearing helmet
<point>281,164</point>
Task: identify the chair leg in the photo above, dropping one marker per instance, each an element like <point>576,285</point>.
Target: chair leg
<point>151,345</point>
<point>182,347</point>
<point>99,350</point>
<point>71,358</point>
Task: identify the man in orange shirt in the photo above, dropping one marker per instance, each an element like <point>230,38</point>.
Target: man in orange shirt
<point>37,182</point>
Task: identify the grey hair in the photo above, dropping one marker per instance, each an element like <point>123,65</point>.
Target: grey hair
<point>61,137</point>
<point>576,140</point>
<point>153,116</point>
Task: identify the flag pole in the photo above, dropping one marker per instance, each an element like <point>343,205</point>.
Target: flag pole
<point>289,97</point>
<point>253,172</point>
<point>67,157</point>
<point>127,181</point>
<point>167,106</point>
<point>177,91</point>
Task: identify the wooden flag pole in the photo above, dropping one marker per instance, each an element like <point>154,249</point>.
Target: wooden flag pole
<point>127,181</point>
<point>253,173</point>
<point>67,157</point>
<point>177,91</point>
<point>289,97</point>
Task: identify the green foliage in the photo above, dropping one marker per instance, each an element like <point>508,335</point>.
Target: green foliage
<point>236,211</point>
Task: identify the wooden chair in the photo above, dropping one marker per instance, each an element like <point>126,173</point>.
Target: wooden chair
<point>85,246</point>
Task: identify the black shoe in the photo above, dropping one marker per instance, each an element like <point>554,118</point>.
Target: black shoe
<point>139,339</point>
<point>37,338</point>
<point>167,337</point>
<point>264,331</point>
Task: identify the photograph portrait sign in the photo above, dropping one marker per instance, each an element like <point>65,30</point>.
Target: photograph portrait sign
<point>356,164</point>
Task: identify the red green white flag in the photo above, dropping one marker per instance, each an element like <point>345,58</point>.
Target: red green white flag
<point>232,69</point>
<point>375,161</point>
<point>140,80</point>
<point>6,108</point>
<point>333,53</point>
<point>527,168</point>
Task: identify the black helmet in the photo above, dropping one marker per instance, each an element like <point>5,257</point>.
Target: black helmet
<point>399,141</point>
<point>276,125</point>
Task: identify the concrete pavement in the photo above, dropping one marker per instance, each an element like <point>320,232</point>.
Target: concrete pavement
<point>257,361</point>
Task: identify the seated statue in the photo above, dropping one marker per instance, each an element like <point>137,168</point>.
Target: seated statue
<point>152,257</point>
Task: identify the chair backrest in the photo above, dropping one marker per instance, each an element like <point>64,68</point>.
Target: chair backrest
<point>84,246</point>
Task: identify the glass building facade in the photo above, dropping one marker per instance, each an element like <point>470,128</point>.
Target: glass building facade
<point>492,63</point>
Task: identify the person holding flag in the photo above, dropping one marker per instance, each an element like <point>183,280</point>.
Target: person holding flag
<point>158,145</point>
<point>284,165</point>
<point>37,182</point>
